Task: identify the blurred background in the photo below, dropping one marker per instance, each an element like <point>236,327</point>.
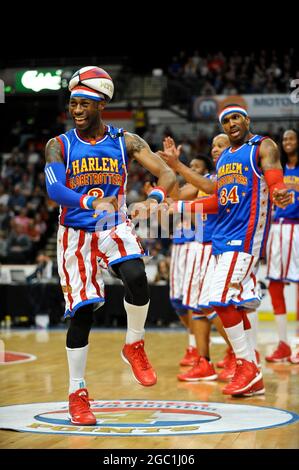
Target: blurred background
<point>177,93</point>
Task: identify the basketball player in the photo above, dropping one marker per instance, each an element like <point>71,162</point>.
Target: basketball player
<point>185,252</point>
<point>198,255</point>
<point>249,178</point>
<point>86,174</point>
<point>283,247</point>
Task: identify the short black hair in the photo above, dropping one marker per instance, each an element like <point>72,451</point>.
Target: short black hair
<point>283,155</point>
<point>206,159</point>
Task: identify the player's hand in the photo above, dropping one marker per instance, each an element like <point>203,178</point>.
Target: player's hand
<point>142,210</point>
<point>170,153</point>
<point>109,204</point>
<point>281,198</point>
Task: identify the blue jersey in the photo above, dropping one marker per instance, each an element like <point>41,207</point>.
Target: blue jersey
<point>206,222</point>
<point>291,179</point>
<point>243,201</point>
<point>202,231</point>
<point>97,169</point>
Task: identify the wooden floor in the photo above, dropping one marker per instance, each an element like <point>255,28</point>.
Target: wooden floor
<point>46,380</point>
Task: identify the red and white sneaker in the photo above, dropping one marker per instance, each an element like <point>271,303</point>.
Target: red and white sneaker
<point>246,375</point>
<point>191,357</point>
<point>226,359</point>
<point>203,370</point>
<point>229,370</point>
<point>256,389</point>
<point>79,408</point>
<point>281,354</point>
<point>294,358</point>
<point>134,355</point>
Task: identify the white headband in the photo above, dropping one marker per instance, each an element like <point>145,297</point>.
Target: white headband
<point>232,109</point>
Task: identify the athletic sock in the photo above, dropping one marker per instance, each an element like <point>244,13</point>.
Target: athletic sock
<point>136,317</point>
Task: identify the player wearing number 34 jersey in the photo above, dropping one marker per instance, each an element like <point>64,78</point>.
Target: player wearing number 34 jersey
<point>249,179</point>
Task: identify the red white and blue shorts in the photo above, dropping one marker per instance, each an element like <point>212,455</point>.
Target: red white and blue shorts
<point>283,252</point>
<point>78,256</point>
<point>232,280</point>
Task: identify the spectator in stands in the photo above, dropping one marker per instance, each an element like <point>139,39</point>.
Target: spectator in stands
<point>4,218</point>
<point>140,119</point>
<point>44,268</point>
<point>3,246</point>
<point>175,68</point>
<point>153,136</point>
<point>18,246</point>
<point>22,220</point>
<point>162,276</point>
<point>4,196</point>
<point>17,200</point>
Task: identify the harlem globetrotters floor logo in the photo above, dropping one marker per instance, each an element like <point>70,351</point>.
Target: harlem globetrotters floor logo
<point>145,418</point>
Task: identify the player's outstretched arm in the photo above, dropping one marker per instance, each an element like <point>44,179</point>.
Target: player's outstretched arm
<point>170,155</point>
<point>271,167</point>
<point>60,193</point>
<point>138,149</point>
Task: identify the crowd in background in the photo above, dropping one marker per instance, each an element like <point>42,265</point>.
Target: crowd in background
<point>28,217</point>
<point>235,73</point>
<point>26,214</point>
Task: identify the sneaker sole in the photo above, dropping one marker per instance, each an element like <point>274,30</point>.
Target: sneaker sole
<point>241,390</point>
<point>252,394</point>
<point>134,376</point>
<point>211,377</point>
<point>81,424</point>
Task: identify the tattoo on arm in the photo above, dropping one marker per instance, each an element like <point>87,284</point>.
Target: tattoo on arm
<point>53,152</point>
<point>134,144</point>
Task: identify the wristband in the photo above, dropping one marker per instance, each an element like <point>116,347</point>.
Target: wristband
<point>86,202</point>
<point>157,193</point>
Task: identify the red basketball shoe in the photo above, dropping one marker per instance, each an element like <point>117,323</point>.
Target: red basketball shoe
<point>134,355</point>
<point>256,389</point>
<point>203,370</point>
<point>191,357</point>
<point>79,408</point>
<point>281,354</point>
<point>225,360</point>
<point>246,375</point>
<point>229,370</point>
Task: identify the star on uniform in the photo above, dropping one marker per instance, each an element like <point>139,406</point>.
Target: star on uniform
<point>243,194</point>
<point>246,168</point>
<point>227,210</point>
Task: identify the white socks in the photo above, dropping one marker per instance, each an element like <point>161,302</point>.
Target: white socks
<point>281,322</point>
<point>192,341</point>
<point>238,339</point>
<point>136,317</point>
<point>253,320</point>
<point>250,340</point>
<point>77,362</point>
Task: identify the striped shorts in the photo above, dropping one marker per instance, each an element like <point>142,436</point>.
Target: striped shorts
<point>78,256</point>
<point>233,280</point>
<point>283,253</point>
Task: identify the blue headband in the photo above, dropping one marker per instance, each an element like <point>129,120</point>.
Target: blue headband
<point>232,109</point>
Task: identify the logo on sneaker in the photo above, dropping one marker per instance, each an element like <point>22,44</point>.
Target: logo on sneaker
<point>144,418</point>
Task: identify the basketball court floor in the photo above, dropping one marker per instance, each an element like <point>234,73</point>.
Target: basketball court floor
<point>169,415</point>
